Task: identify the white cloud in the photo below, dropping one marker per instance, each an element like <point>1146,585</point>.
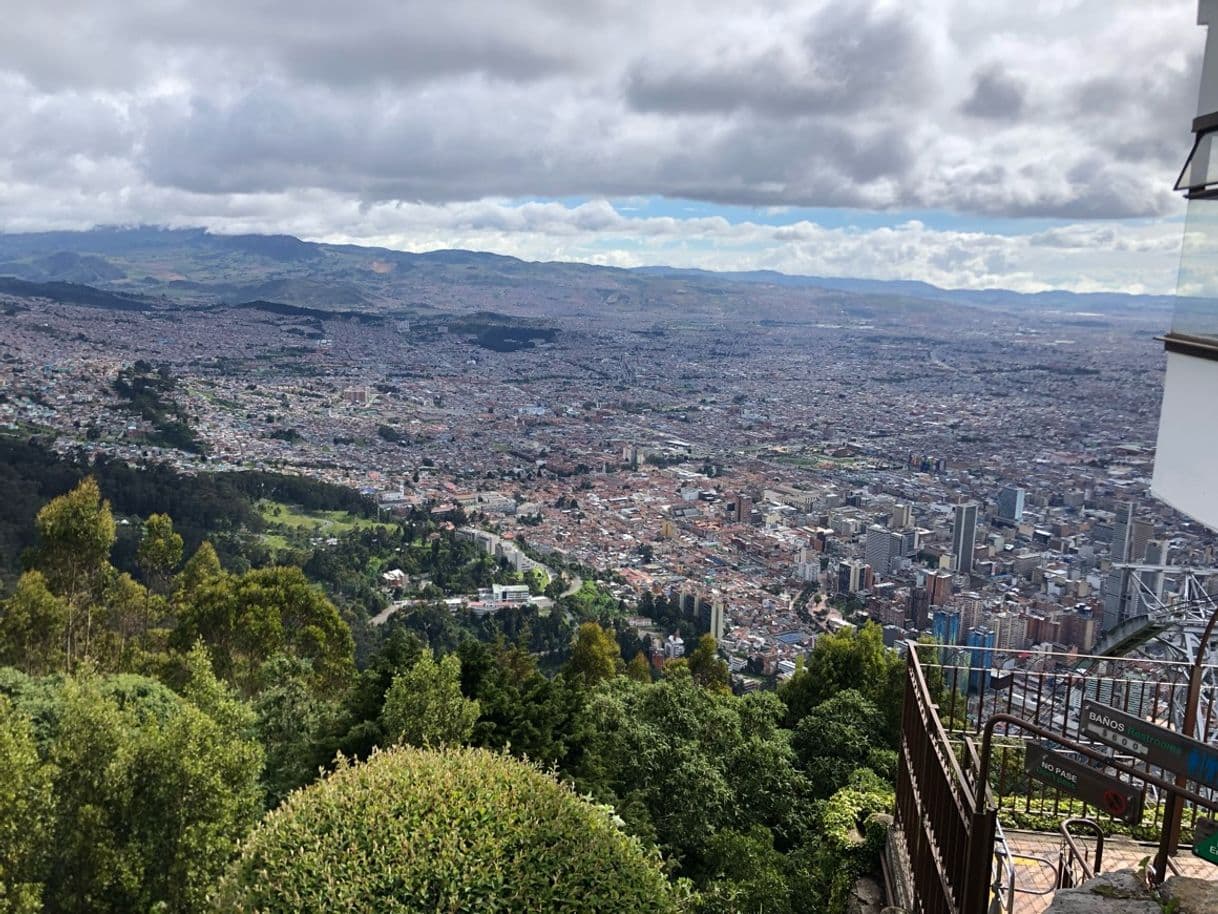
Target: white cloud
<point>311,116</point>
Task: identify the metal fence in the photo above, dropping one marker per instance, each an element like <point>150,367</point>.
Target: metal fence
<point>948,835</point>
<point>1048,689</point>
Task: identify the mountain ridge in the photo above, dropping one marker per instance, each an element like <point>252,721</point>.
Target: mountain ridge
<point>195,265</point>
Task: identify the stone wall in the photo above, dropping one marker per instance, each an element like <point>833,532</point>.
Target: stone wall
<point>1124,892</point>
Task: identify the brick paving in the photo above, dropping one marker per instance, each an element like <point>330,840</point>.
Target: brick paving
<point>1036,858</point>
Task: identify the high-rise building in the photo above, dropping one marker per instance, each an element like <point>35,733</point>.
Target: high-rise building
<point>1010,504</point>
<point>884,549</point>
<point>1130,537</point>
<point>853,576</point>
<point>972,610</point>
<point>980,642</point>
<point>919,607</point>
<point>718,619</point>
<point>939,585</point>
<point>945,627</point>
<point>964,536</point>
<point>1010,630</point>
<point>1079,629</point>
<point>902,517</point>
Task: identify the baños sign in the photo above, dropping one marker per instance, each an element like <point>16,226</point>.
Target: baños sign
<point>1155,745</point>
<point>1117,798</point>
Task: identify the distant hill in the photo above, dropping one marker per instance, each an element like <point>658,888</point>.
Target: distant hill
<point>194,267</point>
<point>1003,298</point>
<point>72,294</point>
<point>64,266</point>
<point>279,308</point>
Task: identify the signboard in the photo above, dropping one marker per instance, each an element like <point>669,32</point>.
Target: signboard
<point>1108,794</point>
<point>1205,839</point>
<point>1156,745</point>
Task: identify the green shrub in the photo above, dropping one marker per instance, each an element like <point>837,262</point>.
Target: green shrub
<point>459,830</point>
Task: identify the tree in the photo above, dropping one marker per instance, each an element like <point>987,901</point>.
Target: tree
<point>33,622</point>
<point>522,711</point>
<point>705,665</point>
<point>639,669</point>
<point>76,532</point>
<point>849,659</point>
<point>291,718</point>
<point>838,736</point>
<point>481,832</point>
<point>160,551</point>
<point>246,620</point>
<point>746,873</point>
<point>850,835</point>
<point>424,706</point>
<point>682,763</point>
<point>149,795</point>
<point>537,580</point>
<point>131,610</point>
<point>202,568</point>
<point>25,802</point>
<point>594,656</point>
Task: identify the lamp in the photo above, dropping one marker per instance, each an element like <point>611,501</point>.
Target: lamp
<point>1199,176</point>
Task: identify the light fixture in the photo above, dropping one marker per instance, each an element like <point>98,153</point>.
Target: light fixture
<point>1199,176</point>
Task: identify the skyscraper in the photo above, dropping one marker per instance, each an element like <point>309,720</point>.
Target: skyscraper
<point>718,621</point>
<point>1010,504</point>
<point>884,549</point>
<point>1130,539</point>
<point>964,536</point>
<point>945,626</point>
<point>939,585</point>
<point>919,607</point>
<point>853,576</point>
<point>981,642</point>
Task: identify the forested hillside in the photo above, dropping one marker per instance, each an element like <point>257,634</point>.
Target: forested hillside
<point>151,717</point>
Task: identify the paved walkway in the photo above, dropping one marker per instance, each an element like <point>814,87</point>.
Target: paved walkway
<point>1036,858</point>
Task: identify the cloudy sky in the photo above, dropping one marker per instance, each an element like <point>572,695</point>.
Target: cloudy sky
<point>1018,143</point>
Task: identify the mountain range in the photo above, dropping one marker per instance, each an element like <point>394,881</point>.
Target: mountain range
<point>133,268</point>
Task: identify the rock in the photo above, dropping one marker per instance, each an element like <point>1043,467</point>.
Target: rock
<point>1192,896</point>
<point>866,898</point>
<point>1118,892</point>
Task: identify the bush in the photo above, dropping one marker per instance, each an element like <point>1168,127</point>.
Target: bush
<point>461,830</point>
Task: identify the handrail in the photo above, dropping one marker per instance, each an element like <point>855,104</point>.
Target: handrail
<point>1066,658</point>
<point>1080,855</point>
<point>987,740</point>
<point>940,738</point>
<point>1003,850</point>
<point>1047,862</point>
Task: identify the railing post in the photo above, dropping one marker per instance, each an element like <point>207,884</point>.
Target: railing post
<point>976,894</point>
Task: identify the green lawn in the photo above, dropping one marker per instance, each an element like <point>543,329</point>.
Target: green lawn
<point>318,523</point>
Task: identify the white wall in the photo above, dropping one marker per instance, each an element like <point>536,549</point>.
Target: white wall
<point>1186,462</point>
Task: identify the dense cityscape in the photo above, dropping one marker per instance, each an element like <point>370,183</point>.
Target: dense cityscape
<point>609,457</point>
<point>966,475</point>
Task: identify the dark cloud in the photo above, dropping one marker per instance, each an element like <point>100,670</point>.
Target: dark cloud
<point>850,56</point>
<point>996,95</point>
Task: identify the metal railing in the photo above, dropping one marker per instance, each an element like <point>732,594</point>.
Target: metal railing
<point>1077,864</point>
<point>947,811</point>
<point>1048,690</point>
<point>948,835</point>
